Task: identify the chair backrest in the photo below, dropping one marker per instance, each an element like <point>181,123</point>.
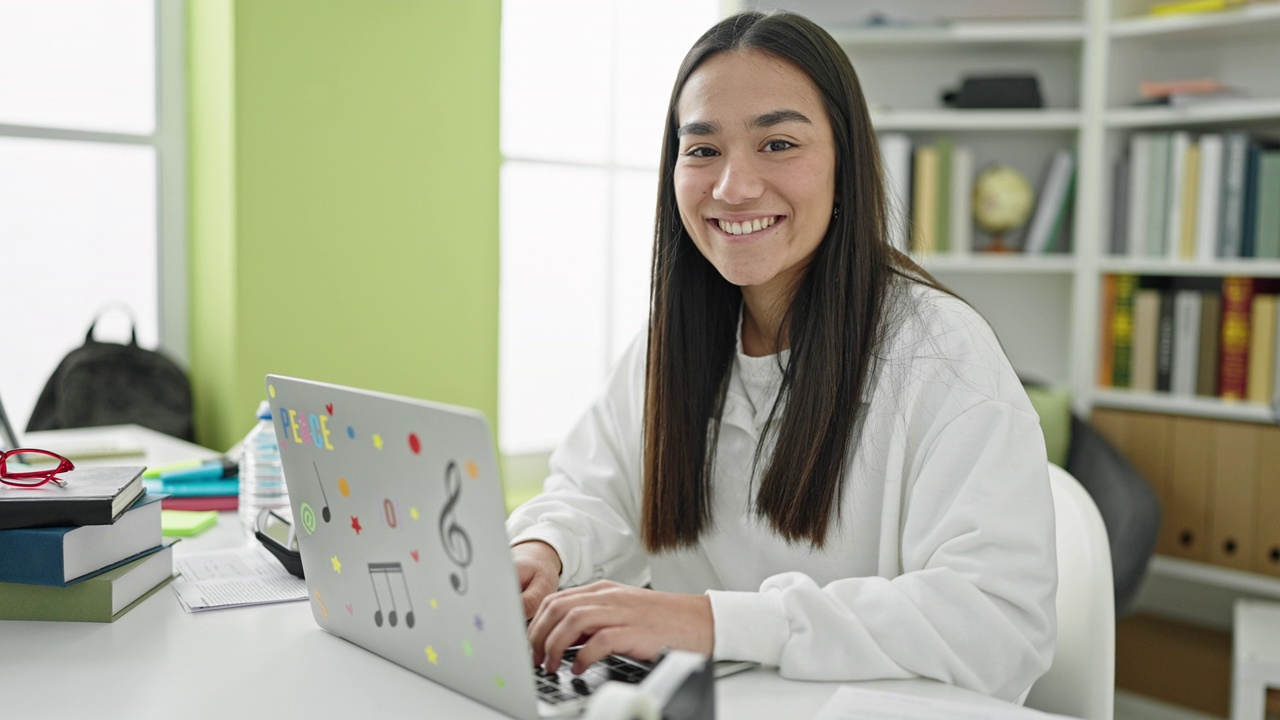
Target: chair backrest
<point>1081,682</point>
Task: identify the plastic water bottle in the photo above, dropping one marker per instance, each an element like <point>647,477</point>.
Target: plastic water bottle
<point>261,475</point>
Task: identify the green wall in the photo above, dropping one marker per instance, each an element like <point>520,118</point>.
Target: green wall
<point>344,200</point>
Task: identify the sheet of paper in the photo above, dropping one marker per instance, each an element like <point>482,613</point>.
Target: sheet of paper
<point>852,703</point>
<point>233,578</point>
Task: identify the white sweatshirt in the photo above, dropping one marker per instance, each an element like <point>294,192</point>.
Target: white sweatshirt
<point>942,562</point>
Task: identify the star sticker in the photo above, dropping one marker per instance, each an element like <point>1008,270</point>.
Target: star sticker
<point>473,470</point>
<point>466,648</point>
<point>337,566</point>
<point>413,512</point>
<point>355,524</point>
<point>434,604</point>
<point>377,441</point>
<point>432,656</point>
<point>479,623</point>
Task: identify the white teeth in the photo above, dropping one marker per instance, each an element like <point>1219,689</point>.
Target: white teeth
<point>744,228</point>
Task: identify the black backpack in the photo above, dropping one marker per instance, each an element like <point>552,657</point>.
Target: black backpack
<point>102,383</point>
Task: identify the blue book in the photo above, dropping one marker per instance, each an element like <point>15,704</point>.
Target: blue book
<point>1248,226</point>
<point>61,556</point>
<point>194,488</point>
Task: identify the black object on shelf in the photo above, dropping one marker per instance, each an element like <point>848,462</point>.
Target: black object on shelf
<point>995,92</point>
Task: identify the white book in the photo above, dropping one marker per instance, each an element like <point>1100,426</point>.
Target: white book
<point>961,200</point>
<point>1186,342</point>
<point>1209,192</point>
<point>1052,197</point>
<point>1179,142</point>
<point>1139,160</point>
<point>895,155</point>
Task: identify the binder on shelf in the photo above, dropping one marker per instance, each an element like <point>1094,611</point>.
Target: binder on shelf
<point>1266,545</point>
<point>1191,467</point>
<point>1231,524</point>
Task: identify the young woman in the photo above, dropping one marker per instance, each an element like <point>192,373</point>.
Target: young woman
<point>816,457</point>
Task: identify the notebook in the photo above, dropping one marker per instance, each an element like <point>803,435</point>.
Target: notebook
<point>400,522</point>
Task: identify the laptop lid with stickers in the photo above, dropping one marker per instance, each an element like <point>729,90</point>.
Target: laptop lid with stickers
<point>400,520</point>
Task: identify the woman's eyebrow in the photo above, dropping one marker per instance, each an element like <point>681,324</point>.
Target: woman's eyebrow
<point>777,117</point>
<point>698,128</point>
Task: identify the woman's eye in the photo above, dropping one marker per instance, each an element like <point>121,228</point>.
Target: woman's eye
<point>777,146</point>
<point>701,152</point>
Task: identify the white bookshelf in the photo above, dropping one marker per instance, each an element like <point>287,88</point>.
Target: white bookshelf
<point>999,263</point>
<point>971,120</point>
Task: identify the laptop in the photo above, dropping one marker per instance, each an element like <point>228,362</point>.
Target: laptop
<point>399,513</point>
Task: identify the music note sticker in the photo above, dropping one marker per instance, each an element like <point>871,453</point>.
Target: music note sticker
<point>324,512</point>
<point>386,570</point>
<point>389,512</point>
<point>457,545</point>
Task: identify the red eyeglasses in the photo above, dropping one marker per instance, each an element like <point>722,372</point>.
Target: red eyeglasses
<point>33,478</point>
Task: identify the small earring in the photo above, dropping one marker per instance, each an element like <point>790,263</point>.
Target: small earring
<point>835,213</point>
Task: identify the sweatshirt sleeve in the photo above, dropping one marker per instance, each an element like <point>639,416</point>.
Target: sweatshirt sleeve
<point>973,604</point>
<point>589,508</point>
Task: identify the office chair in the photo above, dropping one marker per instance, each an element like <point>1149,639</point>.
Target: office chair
<point>1081,682</point>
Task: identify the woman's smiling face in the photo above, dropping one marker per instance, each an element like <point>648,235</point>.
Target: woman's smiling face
<point>755,173</point>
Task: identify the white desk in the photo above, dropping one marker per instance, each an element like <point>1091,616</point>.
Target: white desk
<point>273,661</point>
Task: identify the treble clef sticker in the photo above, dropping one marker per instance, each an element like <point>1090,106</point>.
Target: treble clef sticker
<point>454,539</point>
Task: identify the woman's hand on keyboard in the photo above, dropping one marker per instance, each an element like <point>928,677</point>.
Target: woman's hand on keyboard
<point>607,617</point>
<point>538,567</point>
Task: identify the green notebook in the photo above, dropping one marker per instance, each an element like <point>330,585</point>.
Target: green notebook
<point>102,598</point>
<point>186,523</point>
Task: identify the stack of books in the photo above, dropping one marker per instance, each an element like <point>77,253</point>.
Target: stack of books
<point>1191,336</point>
<point>197,485</point>
<point>89,552</point>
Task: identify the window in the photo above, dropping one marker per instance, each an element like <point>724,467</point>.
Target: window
<point>585,86</point>
<point>91,181</point>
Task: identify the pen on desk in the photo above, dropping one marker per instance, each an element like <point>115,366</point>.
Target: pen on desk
<point>209,470</point>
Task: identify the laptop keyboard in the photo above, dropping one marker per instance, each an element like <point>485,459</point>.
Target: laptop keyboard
<point>563,686</point>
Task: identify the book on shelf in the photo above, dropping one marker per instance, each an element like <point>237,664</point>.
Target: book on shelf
<point>924,201</point>
<point>1190,7</point>
<point>895,153</point>
<point>962,165</point>
<point>1179,142</point>
<point>1208,194</point>
<point>1126,287</point>
<point>1050,213</point>
<point>101,598</point>
<point>1237,344</point>
<point>61,555</point>
<point>92,496</point>
<point>1248,224</point>
<point>1164,341</point>
<point>1236,149</point>
<point>1266,224</point>
<point>1119,245</point>
<point>1106,354</point>
<point>1146,333</point>
<point>1186,243</point>
<point>1209,341</point>
<point>1188,304</point>
<point>942,220</point>
<point>1262,348</point>
<point>1157,177</point>
<point>1140,148</point>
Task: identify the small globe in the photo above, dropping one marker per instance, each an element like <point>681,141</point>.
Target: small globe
<point>1002,199</point>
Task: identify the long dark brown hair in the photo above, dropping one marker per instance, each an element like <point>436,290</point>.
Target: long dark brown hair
<point>833,323</point>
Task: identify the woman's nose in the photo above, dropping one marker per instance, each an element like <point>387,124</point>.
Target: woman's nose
<point>739,182</point>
